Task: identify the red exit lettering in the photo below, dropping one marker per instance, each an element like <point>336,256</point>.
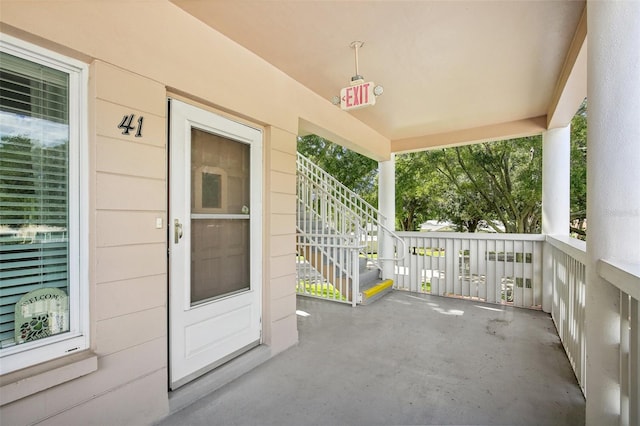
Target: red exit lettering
<point>356,95</point>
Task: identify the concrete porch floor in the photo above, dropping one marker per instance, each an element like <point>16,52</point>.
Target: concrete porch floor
<point>407,359</point>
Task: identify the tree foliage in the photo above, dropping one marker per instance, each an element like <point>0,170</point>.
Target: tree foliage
<point>499,183</point>
<point>33,182</point>
<point>355,171</point>
<point>496,184</point>
<point>416,178</point>
<point>578,191</point>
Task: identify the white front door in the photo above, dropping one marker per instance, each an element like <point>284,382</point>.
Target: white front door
<point>215,240</point>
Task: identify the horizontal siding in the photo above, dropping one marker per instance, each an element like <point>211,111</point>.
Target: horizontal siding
<point>283,224</point>
<point>120,228</point>
<point>283,307</point>
<point>130,158</point>
<point>283,182</point>
<point>114,299</point>
<point>285,333</point>
<point>283,141</point>
<point>130,255</point>
<point>283,244</point>
<point>113,372</point>
<point>129,90</point>
<point>280,307</point>
<point>130,333</point>
<point>283,204</point>
<point>283,286</point>
<point>123,332</point>
<point>283,162</point>
<point>109,115</point>
<point>127,262</point>
<point>116,192</point>
<point>132,404</point>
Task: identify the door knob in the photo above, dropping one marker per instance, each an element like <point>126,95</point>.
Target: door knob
<point>177,231</point>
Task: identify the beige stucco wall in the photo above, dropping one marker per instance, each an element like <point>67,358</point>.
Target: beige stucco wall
<point>139,52</point>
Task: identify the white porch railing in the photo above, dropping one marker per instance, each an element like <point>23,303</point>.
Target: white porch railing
<point>331,203</point>
<point>337,231</point>
<point>569,299</point>
<point>495,268</point>
<point>507,269</point>
<point>327,267</point>
<point>568,312</point>
<point>626,278</point>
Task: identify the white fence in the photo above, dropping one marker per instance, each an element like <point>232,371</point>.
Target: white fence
<point>568,312</point>
<point>334,227</point>
<point>626,278</point>
<point>327,267</point>
<point>495,268</point>
<point>507,269</point>
<point>569,299</point>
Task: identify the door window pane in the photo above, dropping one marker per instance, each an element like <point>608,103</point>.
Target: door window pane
<point>219,174</point>
<point>220,252</point>
<point>219,258</point>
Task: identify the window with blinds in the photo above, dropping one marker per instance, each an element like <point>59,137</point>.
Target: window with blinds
<point>40,309</point>
<point>34,248</point>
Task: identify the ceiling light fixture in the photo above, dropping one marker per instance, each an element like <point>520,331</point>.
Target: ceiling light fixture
<point>360,93</point>
<point>355,45</point>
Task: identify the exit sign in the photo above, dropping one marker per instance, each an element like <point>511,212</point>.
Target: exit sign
<point>357,96</point>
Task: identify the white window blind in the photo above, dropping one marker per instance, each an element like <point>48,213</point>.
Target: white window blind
<point>34,186</point>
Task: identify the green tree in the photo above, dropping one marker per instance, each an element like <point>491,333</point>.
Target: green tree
<point>498,181</point>
<point>578,186</point>
<point>33,182</point>
<point>18,198</point>
<point>414,178</point>
<point>355,171</point>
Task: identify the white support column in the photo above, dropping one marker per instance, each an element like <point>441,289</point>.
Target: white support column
<point>613,189</point>
<point>556,163</point>
<point>387,206</point>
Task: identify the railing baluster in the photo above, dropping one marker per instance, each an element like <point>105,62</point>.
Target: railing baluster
<point>433,264</point>
<point>625,343</point>
<point>465,284</point>
<point>634,363</point>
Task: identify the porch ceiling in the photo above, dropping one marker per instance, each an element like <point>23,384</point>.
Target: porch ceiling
<point>452,71</point>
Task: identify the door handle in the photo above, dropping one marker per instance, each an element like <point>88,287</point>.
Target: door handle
<point>177,231</point>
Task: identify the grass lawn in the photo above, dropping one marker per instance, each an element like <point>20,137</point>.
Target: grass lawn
<point>324,290</point>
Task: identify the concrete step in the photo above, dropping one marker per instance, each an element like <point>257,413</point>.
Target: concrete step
<point>375,291</point>
<point>369,276</point>
<point>372,287</point>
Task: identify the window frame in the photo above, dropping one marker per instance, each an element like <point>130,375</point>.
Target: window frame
<point>77,338</point>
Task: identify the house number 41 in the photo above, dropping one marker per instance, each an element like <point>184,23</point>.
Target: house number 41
<point>127,125</point>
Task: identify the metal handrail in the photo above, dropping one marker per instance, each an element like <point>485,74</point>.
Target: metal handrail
<point>365,214</point>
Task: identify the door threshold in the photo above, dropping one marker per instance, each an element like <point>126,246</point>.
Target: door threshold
<point>217,378</point>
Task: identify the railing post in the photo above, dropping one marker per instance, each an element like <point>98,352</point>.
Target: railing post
<point>555,199</point>
<point>634,362</point>
<point>613,209</point>
<point>387,206</point>
<point>355,277</point>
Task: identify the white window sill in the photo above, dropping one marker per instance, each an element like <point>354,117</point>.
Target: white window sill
<point>31,380</point>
